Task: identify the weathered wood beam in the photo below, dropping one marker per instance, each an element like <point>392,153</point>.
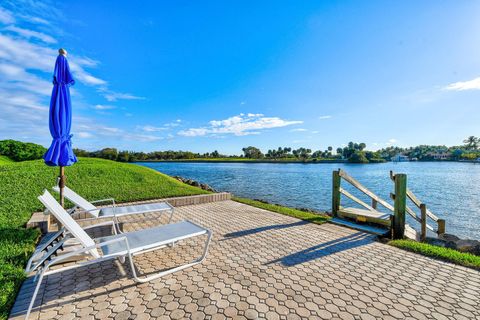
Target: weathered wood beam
<point>360,202</point>
<point>360,187</point>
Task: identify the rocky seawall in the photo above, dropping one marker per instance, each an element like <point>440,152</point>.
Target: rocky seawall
<point>195,183</point>
<point>453,242</point>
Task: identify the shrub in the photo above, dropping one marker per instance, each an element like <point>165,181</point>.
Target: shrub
<point>21,151</point>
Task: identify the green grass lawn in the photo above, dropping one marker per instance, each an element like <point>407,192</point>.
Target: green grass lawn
<point>317,218</point>
<point>445,254</point>
<point>5,160</point>
<point>22,182</point>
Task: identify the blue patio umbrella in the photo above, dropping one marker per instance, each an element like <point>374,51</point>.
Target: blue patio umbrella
<point>60,152</point>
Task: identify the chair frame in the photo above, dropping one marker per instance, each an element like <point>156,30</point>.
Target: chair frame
<point>115,217</point>
<point>43,265</point>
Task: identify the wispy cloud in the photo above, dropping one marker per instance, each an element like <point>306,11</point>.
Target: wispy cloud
<point>391,142</point>
<point>104,107</point>
<point>6,17</point>
<point>84,129</point>
<point>324,117</point>
<point>26,33</point>
<point>166,126</point>
<point>240,125</point>
<point>473,84</point>
<point>114,96</point>
<point>152,128</point>
<point>299,130</point>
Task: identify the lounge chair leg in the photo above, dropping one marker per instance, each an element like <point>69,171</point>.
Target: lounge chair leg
<point>39,282</point>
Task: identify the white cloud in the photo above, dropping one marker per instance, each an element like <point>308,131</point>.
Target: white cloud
<point>324,117</point>
<point>27,60</point>
<point>84,128</point>
<point>152,128</point>
<point>104,107</point>
<point>84,135</point>
<point>166,126</point>
<point>26,33</point>
<point>239,125</point>
<point>298,130</point>
<point>6,16</point>
<point>391,142</point>
<point>114,96</point>
<point>473,84</point>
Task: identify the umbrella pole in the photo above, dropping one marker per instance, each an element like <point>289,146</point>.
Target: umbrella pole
<point>61,185</point>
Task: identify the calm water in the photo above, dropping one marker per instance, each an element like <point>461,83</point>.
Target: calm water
<point>451,190</point>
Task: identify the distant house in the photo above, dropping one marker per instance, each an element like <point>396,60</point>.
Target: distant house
<point>400,158</point>
<point>440,156</point>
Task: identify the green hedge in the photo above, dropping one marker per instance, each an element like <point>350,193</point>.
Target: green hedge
<point>21,151</point>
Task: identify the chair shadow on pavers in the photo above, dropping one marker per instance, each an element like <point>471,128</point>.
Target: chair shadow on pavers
<point>248,232</point>
<point>352,241</point>
<point>71,287</point>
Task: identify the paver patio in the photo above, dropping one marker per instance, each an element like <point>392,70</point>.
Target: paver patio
<point>264,265</point>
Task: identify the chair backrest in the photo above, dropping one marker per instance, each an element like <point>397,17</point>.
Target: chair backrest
<point>67,221</point>
<point>79,201</point>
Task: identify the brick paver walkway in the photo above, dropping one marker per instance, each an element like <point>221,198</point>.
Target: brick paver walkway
<point>267,266</point>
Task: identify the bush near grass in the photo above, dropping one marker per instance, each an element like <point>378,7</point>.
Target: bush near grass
<point>22,182</point>
<point>21,151</point>
<point>317,218</point>
<point>445,254</point>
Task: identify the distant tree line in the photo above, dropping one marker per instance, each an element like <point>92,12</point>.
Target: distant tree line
<point>352,152</point>
<point>468,151</point>
<point>132,156</point>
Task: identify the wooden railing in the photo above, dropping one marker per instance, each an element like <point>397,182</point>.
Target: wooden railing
<point>338,175</point>
<point>400,207</point>
<point>424,213</point>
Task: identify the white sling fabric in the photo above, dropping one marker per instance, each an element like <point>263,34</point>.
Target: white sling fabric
<point>67,221</point>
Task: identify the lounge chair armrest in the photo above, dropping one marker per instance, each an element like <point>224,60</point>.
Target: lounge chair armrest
<point>100,224</point>
<point>82,211</point>
<point>112,200</point>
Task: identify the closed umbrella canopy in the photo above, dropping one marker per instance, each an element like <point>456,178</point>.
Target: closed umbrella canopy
<point>60,152</point>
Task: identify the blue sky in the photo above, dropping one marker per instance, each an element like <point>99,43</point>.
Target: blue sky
<point>205,75</point>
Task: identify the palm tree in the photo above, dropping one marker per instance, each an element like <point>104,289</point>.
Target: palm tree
<point>472,142</point>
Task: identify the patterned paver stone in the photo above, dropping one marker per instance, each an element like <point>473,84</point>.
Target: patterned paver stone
<point>262,265</point>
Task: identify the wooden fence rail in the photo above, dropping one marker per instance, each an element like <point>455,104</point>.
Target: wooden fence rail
<point>424,214</point>
<point>396,221</point>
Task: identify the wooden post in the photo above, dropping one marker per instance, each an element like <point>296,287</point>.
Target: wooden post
<point>374,204</point>
<point>423,211</point>
<point>400,205</point>
<point>441,226</point>
<point>336,192</point>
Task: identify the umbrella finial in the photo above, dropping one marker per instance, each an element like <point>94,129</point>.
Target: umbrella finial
<point>62,52</point>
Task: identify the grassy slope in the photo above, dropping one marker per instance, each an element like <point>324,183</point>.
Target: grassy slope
<point>5,160</point>
<point>317,218</point>
<point>22,182</point>
<point>445,254</point>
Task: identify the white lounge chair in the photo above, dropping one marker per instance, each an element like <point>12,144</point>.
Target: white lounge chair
<point>117,246</point>
<point>113,211</point>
